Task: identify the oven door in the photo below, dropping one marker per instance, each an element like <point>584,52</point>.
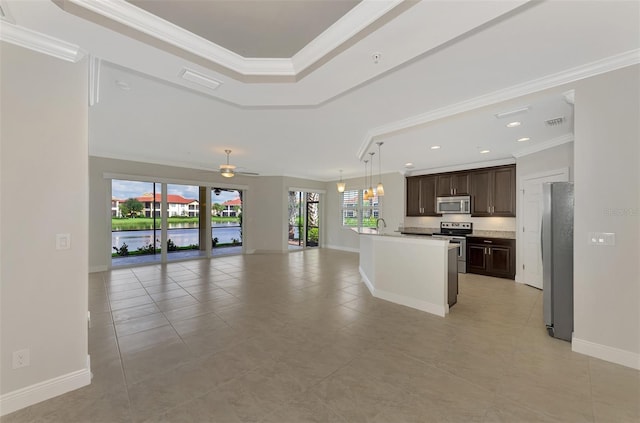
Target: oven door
<point>462,253</point>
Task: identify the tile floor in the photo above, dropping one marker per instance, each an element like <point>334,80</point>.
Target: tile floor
<point>298,338</point>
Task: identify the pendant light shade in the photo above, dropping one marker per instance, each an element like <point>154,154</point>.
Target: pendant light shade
<point>366,190</point>
<point>380,188</point>
<point>341,185</point>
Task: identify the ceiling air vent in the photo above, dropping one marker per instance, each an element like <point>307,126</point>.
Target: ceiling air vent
<point>555,121</point>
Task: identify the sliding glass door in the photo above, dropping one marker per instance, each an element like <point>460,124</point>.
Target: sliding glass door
<point>304,220</point>
<point>135,222</point>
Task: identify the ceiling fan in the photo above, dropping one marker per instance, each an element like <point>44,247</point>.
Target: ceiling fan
<point>229,171</point>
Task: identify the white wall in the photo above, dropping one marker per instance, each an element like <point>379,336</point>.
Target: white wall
<point>607,195</point>
<point>550,159</point>
<point>44,186</point>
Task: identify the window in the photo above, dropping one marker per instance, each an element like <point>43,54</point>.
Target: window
<point>357,212</point>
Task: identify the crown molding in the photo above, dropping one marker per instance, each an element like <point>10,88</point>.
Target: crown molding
<point>464,166</point>
<point>36,41</point>
<point>598,67</point>
<point>545,145</point>
<point>358,18</point>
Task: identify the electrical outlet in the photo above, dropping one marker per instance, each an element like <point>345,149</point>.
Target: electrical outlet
<point>602,238</point>
<point>20,358</point>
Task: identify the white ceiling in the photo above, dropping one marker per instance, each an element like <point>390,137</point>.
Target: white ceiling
<point>446,69</point>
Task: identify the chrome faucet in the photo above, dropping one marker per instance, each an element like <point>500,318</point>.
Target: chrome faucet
<point>378,220</point>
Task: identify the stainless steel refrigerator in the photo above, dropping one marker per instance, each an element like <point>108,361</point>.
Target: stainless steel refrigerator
<point>557,258</point>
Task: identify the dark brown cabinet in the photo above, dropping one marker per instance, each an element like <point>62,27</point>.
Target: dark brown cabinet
<point>456,183</point>
<point>491,257</point>
<point>421,195</point>
<point>493,191</point>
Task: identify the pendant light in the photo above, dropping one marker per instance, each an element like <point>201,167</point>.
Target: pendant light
<point>380,188</point>
<point>341,185</point>
<point>371,193</point>
<point>365,196</point>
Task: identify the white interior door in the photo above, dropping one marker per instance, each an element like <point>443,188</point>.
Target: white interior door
<point>531,222</point>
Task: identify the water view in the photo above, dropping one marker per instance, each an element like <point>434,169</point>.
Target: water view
<point>182,236</point>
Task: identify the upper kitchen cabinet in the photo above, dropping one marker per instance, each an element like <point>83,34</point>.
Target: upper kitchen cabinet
<point>493,191</point>
<point>421,195</point>
<point>455,183</point>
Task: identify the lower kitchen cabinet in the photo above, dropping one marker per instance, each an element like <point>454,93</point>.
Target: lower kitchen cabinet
<point>491,257</point>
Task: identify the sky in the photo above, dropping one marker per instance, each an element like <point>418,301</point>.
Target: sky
<point>128,189</point>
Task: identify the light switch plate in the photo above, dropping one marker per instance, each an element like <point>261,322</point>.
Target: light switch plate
<point>63,241</point>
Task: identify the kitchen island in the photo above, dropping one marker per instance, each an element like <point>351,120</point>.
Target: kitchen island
<point>410,270</point>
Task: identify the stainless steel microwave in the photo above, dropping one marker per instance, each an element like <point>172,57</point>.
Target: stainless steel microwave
<point>449,205</point>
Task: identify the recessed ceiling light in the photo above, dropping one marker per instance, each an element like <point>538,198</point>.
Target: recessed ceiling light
<point>435,147</point>
<point>123,85</point>
<point>513,124</point>
<point>408,164</point>
<point>523,139</point>
<point>485,151</point>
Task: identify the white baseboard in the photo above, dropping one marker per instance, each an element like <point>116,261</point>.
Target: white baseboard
<point>436,309</point>
<point>607,353</point>
<point>341,248</point>
<point>367,282</point>
<point>42,391</point>
<point>96,269</point>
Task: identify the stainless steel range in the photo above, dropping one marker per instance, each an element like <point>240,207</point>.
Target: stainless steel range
<point>456,233</point>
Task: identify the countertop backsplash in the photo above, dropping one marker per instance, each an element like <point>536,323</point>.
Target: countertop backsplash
<point>503,224</point>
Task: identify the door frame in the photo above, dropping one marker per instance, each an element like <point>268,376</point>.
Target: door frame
<point>563,176</point>
<point>321,217</point>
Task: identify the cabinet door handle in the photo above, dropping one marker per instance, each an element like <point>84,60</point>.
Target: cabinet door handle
<point>487,241</point>
<point>489,250</point>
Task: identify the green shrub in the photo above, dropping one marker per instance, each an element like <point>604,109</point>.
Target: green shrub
<point>122,251</point>
<point>171,246</point>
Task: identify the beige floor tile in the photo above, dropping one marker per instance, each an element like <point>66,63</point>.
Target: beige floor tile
<point>616,392</point>
<point>134,312</point>
<point>130,293</point>
<point>297,338</point>
<point>148,363</point>
<point>147,339</point>
<point>158,394</point>
<point>130,302</point>
<point>140,324</point>
<point>211,407</point>
<point>304,408</point>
